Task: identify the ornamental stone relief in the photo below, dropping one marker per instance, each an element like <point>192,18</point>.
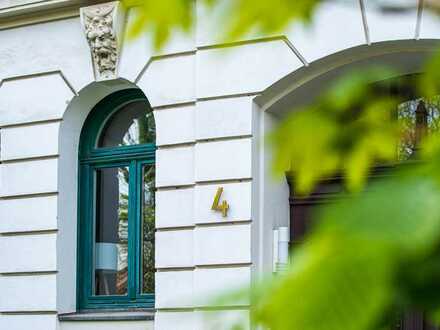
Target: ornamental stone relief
<point>101,30</point>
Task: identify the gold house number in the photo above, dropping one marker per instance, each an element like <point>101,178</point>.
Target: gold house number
<point>220,207</point>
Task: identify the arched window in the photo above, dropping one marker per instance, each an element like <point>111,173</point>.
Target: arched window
<point>116,204</point>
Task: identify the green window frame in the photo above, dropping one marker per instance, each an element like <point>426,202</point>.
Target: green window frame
<point>91,159</point>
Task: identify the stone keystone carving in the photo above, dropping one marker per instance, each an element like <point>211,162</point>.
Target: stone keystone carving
<point>103,28</point>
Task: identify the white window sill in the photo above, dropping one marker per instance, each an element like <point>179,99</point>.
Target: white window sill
<point>109,315</point>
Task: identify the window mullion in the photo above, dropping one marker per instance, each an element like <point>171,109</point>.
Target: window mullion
<point>87,208</point>
<point>132,228</point>
<point>139,198</point>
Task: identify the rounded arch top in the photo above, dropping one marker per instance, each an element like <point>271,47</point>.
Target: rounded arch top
<point>122,119</point>
<point>87,98</point>
<point>303,85</point>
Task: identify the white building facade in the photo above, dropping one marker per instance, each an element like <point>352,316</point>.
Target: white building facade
<point>212,103</point>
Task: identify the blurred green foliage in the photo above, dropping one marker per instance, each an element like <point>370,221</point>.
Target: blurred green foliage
<point>163,17</point>
<point>360,263</point>
<point>376,251</point>
<point>347,130</point>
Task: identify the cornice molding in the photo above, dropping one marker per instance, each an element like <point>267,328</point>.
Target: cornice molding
<point>42,11</point>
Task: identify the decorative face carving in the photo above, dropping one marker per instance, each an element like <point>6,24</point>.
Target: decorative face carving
<point>100,33</point>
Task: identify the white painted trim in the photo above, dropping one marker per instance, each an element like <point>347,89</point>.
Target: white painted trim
<point>68,142</point>
<point>344,59</point>
<point>41,11</point>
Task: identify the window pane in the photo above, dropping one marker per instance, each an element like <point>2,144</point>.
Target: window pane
<point>133,124</point>
<point>417,118</point>
<point>148,227</point>
<point>111,231</point>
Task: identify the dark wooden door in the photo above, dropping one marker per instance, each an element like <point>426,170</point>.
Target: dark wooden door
<point>301,220</point>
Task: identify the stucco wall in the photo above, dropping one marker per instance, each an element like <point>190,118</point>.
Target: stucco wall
<point>209,134</point>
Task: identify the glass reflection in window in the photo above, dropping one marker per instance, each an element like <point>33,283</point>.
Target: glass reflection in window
<point>131,125</point>
<point>111,231</point>
<point>148,226</point>
<point>417,118</point>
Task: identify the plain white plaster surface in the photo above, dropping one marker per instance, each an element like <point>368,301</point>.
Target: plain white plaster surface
<point>169,80</point>
<point>430,26</point>
<point>29,177</point>
<point>212,283</point>
<point>38,48</point>
<point>20,322</point>
<point>391,26</point>
<point>28,293</point>
<point>28,214</point>
<point>174,289</point>
<point>28,253</point>
<point>176,166</point>
<point>174,248</point>
<point>223,118</point>
<point>222,160</point>
<point>222,244</point>
<point>29,141</point>
<point>33,98</point>
<point>241,69</point>
<point>175,125</point>
<point>222,320</point>
<point>201,320</point>
<point>180,320</point>
<point>334,26</point>
<point>181,214</point>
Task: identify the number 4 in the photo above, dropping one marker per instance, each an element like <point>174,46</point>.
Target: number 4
<point>216,206</point>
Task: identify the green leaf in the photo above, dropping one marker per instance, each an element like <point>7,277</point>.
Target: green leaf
<point>334,284</point>
<point>309,149</point>
<point>429,82</point>
<point>403,212</point>
<point>160,18</point>
<point>418,280</point>
<point>265,17</point>
<point>344,137</point>
<point>349,273</point>
<point>353,87</point>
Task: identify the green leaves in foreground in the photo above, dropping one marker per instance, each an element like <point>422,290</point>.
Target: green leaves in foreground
<point>375,254</point>
<point>346,131</point>
<point>163,17</point>
<point>354,270</point>
<point>265,17</point>
<point>330,288</point>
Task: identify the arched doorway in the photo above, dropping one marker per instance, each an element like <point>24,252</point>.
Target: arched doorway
<point>301,88</point>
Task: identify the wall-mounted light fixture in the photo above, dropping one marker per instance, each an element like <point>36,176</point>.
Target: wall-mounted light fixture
<point>280,249</point>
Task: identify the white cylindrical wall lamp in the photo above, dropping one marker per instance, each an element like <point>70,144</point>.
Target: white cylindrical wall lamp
<point>280,249</point>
